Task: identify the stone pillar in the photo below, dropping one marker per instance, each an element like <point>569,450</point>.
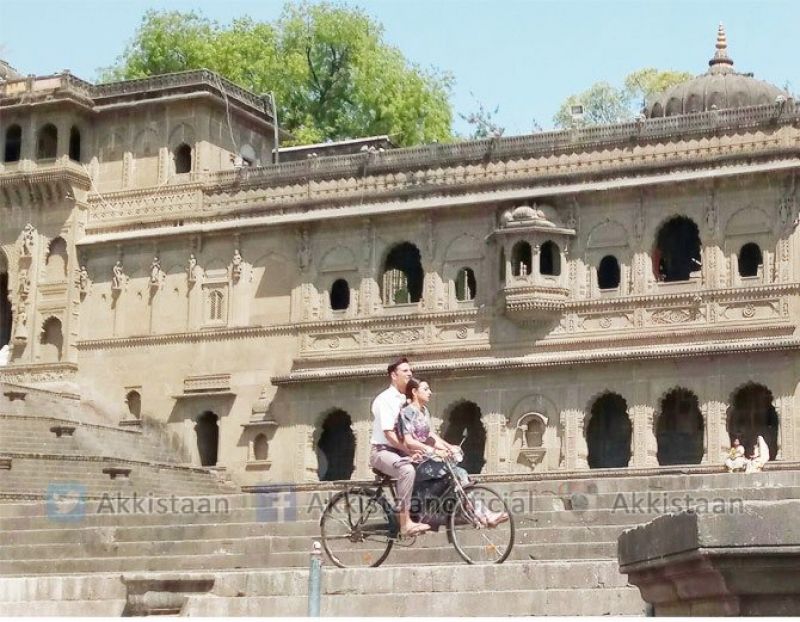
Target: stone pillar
<point>431,288</point>
<point>641,417</point>
<point>786,448</point>
<point>641,269</point>
<point>574,440</point>
<point>495,452</point>
<point>305,458</point>
<point>363,432</point>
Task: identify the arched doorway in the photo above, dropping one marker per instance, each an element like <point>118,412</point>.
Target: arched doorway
<point>5,303</point>
<point>608,434</point>
<point>679,429</point>
<point>751,415</point>
<point>466,416</point>
<point>337,447</point>
<point>51,340</point>
<point>403,275</point>
<point>207,431</point>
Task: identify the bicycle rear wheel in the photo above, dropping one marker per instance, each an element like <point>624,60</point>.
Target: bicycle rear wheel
<point>357,529</point>
<point>473,539</point>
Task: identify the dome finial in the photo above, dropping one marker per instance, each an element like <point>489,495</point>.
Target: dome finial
<point>721,55</point>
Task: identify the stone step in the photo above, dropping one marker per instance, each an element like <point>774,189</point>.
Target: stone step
<point>108,608</point>
<point>486,603</point>
<point>63,588</point>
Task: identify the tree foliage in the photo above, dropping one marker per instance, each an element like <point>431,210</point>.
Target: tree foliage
<point>605,103</point>
<point>333,75</point>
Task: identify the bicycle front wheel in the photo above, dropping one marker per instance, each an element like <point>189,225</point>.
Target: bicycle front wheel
<point>476,530</point>
<point>357,529</point>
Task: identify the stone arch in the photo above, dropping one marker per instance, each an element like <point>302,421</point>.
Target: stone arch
<point>6,316</point>
<point>607,233</point>
<point>402,276</point>
<point>260,447</point>
<point>465,416</point>
<point>752,413</point>
<point>340,295</point>
<point>75,143</point>
<point>113,146</point>
<point>338,259</point>
<point>750,259</point>
<point>182,133</point>
<point>51,340</point>
<point>747,221</point>
<point>207,432</point>
<point>676,251</point>
<point>47,142</point>
<point>608,272</point>
<point>608,432</point>
<point>463,247</point>
<point>56,263</point>
<point>466,284</point>
<point>146,143</point>
<point>13,144</point>
<point>336,446</point>
<point>679,428</point>
<point>550,259</point>
<point>521,258</point>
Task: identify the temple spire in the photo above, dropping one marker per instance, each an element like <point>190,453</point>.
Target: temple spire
<point>721,55</point>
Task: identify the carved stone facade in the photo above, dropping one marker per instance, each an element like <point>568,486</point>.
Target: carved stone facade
<point>258,293</point>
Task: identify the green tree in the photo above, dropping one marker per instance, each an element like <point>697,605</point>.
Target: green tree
<point>605,103</point>
<point>333,75</point>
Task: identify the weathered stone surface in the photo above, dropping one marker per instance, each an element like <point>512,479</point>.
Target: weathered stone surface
<point>744,563</point>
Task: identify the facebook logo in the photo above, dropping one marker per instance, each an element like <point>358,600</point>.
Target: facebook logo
<point>66,502</point>
<point>276,507</point>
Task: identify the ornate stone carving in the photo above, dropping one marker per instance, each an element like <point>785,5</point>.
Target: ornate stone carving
<point>28,240</point>
<point>118,277</point>
<point>156,273</point>
<point>83,280</point>
<point>236,265</point>
<point>24,285</point>
<point>191,268</point>
<point>397,337</point>
<point>303,249</point>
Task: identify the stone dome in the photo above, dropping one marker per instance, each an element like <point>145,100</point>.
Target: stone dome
<point>720,87</point>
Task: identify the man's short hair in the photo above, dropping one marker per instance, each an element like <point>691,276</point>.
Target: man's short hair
<point>395,364</point>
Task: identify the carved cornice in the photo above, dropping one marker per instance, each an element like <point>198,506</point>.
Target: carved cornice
<point>460,315</point>
<point>106,459</point>
<point>213,334</point>
<point>550,359</point>
<point>72,422</point>
<point>37,372</point>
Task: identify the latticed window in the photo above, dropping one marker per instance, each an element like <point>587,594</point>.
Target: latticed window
<point>216,299</point>
<point>395,287</point>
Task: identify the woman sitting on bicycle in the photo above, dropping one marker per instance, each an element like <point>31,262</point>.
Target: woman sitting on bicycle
<point>414,430</point>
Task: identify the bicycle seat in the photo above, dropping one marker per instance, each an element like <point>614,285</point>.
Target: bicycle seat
<point>382,478</point>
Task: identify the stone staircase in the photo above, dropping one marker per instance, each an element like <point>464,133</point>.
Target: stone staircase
<point>250,555</point>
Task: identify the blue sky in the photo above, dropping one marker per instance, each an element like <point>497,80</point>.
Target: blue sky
<point>525,56</point>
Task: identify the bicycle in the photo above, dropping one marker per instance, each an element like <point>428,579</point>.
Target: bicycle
<point>359,527</point>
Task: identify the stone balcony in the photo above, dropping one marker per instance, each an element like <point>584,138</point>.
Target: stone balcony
<point>527,300</point>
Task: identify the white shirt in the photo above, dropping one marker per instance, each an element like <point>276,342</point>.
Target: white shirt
<point>385,409</point>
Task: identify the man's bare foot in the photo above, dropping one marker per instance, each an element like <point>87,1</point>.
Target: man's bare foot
<point>414,529</point>
<point>493,519</point>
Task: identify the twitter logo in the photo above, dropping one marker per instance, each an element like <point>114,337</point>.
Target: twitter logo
<point>66,502</point>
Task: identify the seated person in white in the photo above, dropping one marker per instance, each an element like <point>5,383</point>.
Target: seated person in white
<point>736,460</point>
<point>759,458</point>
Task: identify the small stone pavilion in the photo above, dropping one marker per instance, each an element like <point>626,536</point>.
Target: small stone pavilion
<point>614,296</point>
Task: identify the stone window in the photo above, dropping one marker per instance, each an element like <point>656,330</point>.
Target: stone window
<point>75,144</point>
<point>47,143</point>
<point>750,259</point>
<point>340,295</point>
<point>13,149</point>
<point>260,448</point>
<point>608,273</point>
<point>216,302</point>
<point>183,158</point>
<point>56,264</point>
<point>550,259</point>
<point>403,275</point>
<point>134,402</point>
<point>677,252</point>
<point>521,259</point>
<point>52,340</point>
<point>466,287</point>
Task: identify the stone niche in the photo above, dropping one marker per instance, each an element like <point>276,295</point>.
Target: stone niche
<point>742,559</point>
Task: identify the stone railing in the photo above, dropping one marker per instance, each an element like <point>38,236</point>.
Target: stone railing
<point>504,148</point>
<point>67,82</point>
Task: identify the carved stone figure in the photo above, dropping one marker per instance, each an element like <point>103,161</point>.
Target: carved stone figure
<point>303,250</point>
<point>83,280</point>
<point>118,276</point>
<point>24,285</point>
<point>21,329</point>
<point>155,271</point>
<point>192,268</point>
<point>28,240</point>
<point>236,265</point>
